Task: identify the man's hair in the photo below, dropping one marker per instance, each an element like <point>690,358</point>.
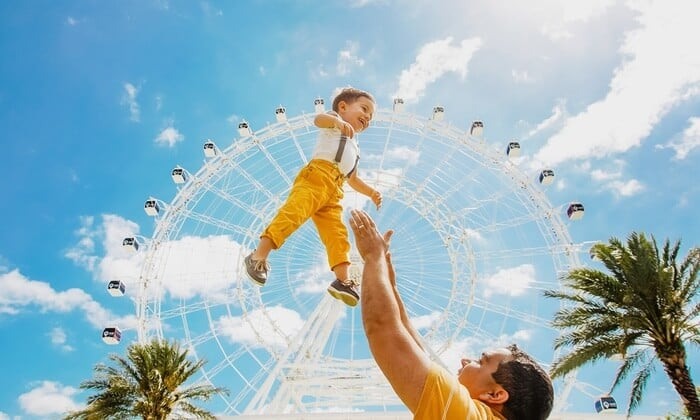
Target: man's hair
<point>530,392</point>
<point>350,95</point>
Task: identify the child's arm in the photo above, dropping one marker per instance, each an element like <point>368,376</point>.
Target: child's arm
<point>360,186</point>
<point>333,120</point>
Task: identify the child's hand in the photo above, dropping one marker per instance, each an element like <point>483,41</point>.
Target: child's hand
<point>376,199</point>
<point>345,128</point>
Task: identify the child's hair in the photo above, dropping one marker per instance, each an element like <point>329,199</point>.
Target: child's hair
<point>350,95</point>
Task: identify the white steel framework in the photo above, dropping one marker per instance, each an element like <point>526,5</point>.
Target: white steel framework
<point>467,218</point>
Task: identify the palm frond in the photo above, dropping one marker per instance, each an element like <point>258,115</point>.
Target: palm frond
<point>638,385</point>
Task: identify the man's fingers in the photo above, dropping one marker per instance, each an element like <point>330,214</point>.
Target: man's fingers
<point>387,237</point>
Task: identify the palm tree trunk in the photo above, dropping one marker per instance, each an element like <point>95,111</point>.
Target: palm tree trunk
<point>678,372</point>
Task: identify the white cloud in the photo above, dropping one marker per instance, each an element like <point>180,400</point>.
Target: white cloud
<point>509,281</point>
<point>660,50</point>
<point>472,346</point>
<point>58,338</point>
<point>582,11</point>
<point>188,271</point>
<point>432,62</point>
<point>626,188</point>
<point>558,113</point>
<point>612,181</point>
<point>183,265</point>
<point>573,11</point>
<point>348,59</point>
<point>129,99</point>
<point>116,262</point>
<point>689,141</point>
<point>314,280</point>
<point>276,326</point>
<point>473,235</point>
<point>17,292</point>
<point>170,136</point>
<point>81,253</point>
<point>71,21</point>
<point>49,398</point>
<point>425,321</point>
<point>521,76</point>
<point>404,153</point>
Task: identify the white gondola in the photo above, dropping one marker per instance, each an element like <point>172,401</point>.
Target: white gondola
<point>179,176</point>
<point>605,404</point>
<point>111,335</point>
<point>116,288</point>
<point>575,211</point>
<point>438,113</point>
<point>244,129</point>
<point>477,129</point>
<point>513,149</point>
<point>398,105</point>
<point>210,149</point>
<point>318,105</point>
<point>546,177</point>
<point>130,244</point>
<point>151,207</point>
<point>281,114</point>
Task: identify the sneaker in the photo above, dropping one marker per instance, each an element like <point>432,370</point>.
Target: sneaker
<point>257,270</point>
<point>348,293</point>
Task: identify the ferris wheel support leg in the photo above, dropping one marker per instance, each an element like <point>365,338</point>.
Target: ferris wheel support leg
<point>313,335</point>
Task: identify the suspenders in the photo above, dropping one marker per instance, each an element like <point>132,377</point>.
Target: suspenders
<point>339,155</point>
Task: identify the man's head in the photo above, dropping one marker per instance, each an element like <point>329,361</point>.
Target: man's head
<point>509,380</point>
<point>355,106</point>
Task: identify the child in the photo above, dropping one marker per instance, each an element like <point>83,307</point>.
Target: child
<point>318,189</point>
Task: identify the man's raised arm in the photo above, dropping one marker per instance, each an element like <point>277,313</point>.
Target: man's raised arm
<point>397,353</point>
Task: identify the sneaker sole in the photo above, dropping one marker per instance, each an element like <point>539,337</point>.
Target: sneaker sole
<point>346,298</point>
<point>255,282</point>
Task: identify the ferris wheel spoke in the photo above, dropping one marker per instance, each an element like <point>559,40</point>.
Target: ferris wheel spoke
<point>218,223</point>
<point>271,160</point>
<point>213,188</point>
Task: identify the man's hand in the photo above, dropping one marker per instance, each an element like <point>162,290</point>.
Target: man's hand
<point>370,243</point>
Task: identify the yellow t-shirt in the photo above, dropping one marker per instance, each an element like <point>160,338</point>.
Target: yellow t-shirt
<point>442,391</point>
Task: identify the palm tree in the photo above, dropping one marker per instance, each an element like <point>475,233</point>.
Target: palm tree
<point>683,413</point>
<point>147,384</point>
<point>644,309</point>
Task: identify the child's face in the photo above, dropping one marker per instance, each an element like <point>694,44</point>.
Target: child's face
<point>358,113</point>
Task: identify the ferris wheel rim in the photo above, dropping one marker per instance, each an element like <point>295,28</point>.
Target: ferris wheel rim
<point>554,232</point>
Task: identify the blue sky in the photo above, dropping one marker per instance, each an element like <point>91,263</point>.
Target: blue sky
<point>99,101</point>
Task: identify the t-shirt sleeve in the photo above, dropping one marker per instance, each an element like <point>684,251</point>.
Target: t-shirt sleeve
<point>443,397</point>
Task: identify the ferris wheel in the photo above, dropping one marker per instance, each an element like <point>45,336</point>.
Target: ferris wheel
<point>476,242</point>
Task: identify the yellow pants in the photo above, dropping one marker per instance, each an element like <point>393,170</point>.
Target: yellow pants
<point>315,194</point>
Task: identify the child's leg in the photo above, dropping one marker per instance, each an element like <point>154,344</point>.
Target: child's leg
<point>334,235</point>
<point>306,196</point>
<point>265,245</point>
<point>341,272</point>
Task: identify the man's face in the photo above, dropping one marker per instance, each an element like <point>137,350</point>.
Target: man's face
<point>358,113</point>
<point>476,374</point>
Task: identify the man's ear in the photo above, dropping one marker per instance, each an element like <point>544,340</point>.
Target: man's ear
<point>497,396</point>
<point>342,105</point>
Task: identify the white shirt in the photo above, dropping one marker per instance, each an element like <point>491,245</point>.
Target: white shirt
<point>327,147</point>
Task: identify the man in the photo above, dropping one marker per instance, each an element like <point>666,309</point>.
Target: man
<point>503,383</point>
